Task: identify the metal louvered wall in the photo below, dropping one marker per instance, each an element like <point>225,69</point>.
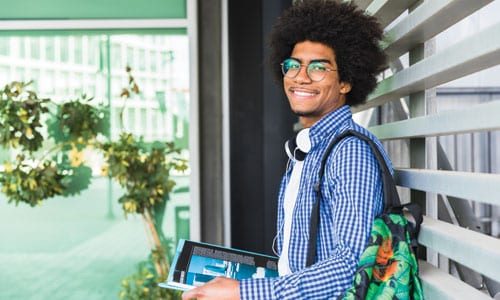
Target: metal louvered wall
<point>446,156</point>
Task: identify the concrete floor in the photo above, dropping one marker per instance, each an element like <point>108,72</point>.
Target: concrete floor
<point>68,248</point>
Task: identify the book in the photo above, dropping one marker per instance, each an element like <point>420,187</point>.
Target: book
<point>196,263</point>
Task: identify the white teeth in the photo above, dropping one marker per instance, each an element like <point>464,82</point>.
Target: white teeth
<point>303,94</point>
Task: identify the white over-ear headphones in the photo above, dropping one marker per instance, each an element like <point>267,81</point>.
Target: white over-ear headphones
<point>297,147</point>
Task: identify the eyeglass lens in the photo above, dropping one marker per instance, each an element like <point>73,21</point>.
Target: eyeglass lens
<point>315,70</point>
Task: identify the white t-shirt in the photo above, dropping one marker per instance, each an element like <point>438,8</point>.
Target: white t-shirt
<point>291,192</point>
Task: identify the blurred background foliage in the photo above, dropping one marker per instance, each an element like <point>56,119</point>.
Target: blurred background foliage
<point>141,169</point>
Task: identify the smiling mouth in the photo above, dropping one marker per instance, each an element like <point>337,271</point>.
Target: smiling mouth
<point>303,93</point>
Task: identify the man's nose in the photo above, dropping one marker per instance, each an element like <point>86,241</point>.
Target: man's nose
<point>302,77</point>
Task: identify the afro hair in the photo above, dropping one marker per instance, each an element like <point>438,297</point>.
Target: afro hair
<point>353,36</point>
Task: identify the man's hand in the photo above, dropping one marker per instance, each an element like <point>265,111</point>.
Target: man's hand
<point>220,288</point>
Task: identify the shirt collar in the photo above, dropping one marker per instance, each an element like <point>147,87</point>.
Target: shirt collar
<point>323,129</point>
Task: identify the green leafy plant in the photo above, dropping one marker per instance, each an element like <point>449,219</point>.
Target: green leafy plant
<point>35,176</point>
<point>77,176</point>
<point>23,182</point>
<point>142,169</point>
<point>79,122</point>
<point>143,285</point>
<point>20,115</point>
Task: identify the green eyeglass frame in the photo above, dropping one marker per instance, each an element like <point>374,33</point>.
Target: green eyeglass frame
<point>316,70</point>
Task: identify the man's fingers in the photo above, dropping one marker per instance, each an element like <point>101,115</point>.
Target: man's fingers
<point>191,294</point>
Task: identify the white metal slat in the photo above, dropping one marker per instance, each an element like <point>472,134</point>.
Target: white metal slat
<point>479,187</point>
<point>475,250</point>
<point>387,11</point>
<point>475,53</point>
<point>472,249</point>
<point>363,4</point>
<point>481,117</point>
<point>426,21</point>
<point>442,286</point>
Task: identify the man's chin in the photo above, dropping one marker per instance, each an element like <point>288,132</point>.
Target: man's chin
<point>299,113</point>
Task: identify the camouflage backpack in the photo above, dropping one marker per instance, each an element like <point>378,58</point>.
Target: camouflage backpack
<point>388,267</point>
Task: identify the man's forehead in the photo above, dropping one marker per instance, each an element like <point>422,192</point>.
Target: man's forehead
<point>308,50</point>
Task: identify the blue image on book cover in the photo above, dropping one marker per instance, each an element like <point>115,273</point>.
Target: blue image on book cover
<point>203,269</point>
<point>191,267</point>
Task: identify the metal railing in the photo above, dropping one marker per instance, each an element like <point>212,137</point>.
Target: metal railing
<point>462,262</point>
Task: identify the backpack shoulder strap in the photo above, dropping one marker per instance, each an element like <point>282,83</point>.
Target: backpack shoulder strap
<point>416,212</point>
<point>391,198</point>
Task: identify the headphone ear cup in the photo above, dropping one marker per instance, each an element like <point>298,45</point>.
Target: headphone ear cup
<point>298,146</point>
<point>302,140</point>
<point>288,150</point>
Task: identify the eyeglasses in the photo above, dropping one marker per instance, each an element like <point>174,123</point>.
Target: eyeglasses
<point>316,70</point>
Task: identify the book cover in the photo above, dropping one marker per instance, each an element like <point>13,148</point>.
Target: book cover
<point>196,263</point>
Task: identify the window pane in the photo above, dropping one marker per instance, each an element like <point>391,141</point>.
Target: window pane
<point>22,47</point>
<point>4,75</point>
<point>64,49</point>
<point>142,60</point>
<point>130,57</point>
<point>152,61</point>
<point>35,48</point>
<point>4,46</point>
<point>78,50</point>
<point>63,67</point>
<point>93,50</point>
<point>116,54</point>
<point>50,54</point>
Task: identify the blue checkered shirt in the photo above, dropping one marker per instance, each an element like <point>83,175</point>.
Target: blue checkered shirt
<point>351,199</point>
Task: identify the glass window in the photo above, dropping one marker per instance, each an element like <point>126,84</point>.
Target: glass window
<point>78,50</point>
<point>35,76</point>
<point>50,53</point>
<point>35,47</point>
<point>130,57</point>
<point>63,84</point>
<point>148,89</point>
<point>47,82</point>
<point>179,127</point>
<point>64,50</point>
<point>4,46</point>
<point>129,120</point>
<point>117,84</point>
<point>19,74</point>
<point>143,122</point>
<point>22,47</point>
<point>152,61</point>
<point>165,60</point>
<point>142,60</point>
<point>67,66</point>
<point>4,75</point>
<point>116,54</point>
<point>92,50</point>
<point>168,125</point>
<point>115,122</point>
<point>77,84</point>
<point>154,124</point>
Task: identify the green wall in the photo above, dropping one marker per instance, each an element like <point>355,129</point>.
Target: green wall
<point>94,9</point>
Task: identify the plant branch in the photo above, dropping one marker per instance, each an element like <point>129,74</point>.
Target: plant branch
<point>160,263</point>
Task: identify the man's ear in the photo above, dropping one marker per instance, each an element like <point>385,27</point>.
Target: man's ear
<point>345,87</point>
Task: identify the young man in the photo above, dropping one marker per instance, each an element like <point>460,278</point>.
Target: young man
<point>327,56</point>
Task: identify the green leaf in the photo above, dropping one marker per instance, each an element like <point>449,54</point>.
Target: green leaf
<point>78,181</point>
<point>78,122</point>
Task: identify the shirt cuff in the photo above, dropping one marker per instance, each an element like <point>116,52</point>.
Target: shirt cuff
<point>256,289</point>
